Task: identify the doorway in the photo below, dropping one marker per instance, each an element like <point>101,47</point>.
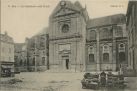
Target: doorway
<point>67,63</point>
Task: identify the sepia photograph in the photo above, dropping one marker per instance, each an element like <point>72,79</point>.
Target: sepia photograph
<point>68,45</point>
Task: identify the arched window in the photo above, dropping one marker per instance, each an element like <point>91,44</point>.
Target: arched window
<point>20,62</point>
<point>105,33</point>
<point>118,31</point>
<point>92,35</point>
<point>105,57</point>
<point>91,58</point>
<point>16,60</point>
<point>43,60</point>
<point>65,28</point>
<point>106,53</point>
<point>122,56</point>
<point>91,54</point>
<point>25,62</point>
<point>33,61</point>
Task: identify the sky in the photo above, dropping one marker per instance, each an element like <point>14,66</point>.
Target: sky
<point>21,21</point>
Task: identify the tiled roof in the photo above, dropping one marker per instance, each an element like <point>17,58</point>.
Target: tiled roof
<point>107,20</point>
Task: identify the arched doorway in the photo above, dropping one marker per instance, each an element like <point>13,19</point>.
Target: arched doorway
<point>67,63</point>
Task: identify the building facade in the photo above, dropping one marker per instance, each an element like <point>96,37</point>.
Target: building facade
<point>67,35</point>
<point>132,32</point>
<point>79,43</point>
<point>106,43</point>
<point>75,42</point>
<point>37,47</point>
<point>33,54</point>
<point>20,57</point>
<point>7,55</point>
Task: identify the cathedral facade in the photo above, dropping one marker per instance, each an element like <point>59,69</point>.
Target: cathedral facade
<point>79,43</point>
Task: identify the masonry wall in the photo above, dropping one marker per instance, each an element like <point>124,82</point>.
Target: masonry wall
<point>98,38</point>
<point>75,37</point>
<point>7,52</point>
<point>132,38</point>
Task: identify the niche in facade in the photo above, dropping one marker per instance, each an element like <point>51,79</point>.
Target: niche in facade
<point>122,56</point>
<point>106,53</point>
<point>91,54</point>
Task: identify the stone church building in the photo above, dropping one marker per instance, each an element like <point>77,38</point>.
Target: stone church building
<point>79,43</point>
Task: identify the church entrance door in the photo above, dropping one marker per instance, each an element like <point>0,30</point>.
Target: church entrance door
<point>67,63</point>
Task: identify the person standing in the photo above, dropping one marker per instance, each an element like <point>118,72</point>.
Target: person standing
<point>103,78</point>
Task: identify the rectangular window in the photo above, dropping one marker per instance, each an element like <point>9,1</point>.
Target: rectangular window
<point>91,58</point>
<point>130,59</point>
<point>105,57</point>
<point>43,60</point>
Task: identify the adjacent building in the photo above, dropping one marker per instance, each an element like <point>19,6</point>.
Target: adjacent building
<point>33,54</point>
<point>6,55</point>
<point>106,43</point>
<point>20,57</point>
<point>132,34</point>
<point>37,47</point>
<point>79,43</point>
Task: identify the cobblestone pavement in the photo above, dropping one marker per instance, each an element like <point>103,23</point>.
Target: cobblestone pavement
<point>48,81</point>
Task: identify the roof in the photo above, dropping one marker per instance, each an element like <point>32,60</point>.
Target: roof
<point>18,46</point>
<point>6,38</point>
<point>130,4</point>
<point>129,9</point>
<point>72,6</point>
<point>43,31</point>
<point>107,20</point>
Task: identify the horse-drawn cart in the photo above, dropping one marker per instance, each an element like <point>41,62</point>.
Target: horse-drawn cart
<point>103,79</point>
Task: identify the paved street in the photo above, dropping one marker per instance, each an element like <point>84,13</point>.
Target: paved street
<point>47,81</point>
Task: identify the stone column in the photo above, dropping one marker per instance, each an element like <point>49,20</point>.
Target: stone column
<point>97,50</point>
<point>113,50</point>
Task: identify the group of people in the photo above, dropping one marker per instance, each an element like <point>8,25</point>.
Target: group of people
<point>109,78</point>
<point>104,77</point>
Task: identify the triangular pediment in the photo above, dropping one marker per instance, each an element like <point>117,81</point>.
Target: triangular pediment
<point>69,8</point>
<point>65,11</point>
